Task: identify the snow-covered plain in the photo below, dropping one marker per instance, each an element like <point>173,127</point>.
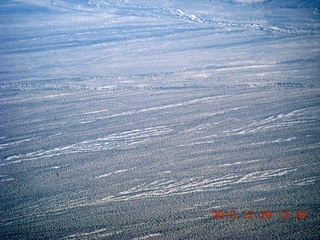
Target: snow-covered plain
<point>135,119</point>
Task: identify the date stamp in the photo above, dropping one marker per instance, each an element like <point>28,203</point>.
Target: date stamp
<point>262,214</point>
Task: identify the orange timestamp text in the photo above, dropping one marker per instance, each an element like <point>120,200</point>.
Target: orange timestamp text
<point>262,214</point>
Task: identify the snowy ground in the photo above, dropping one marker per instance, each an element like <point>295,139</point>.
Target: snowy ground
<point>135,119</point>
